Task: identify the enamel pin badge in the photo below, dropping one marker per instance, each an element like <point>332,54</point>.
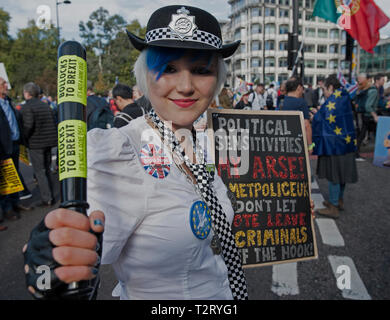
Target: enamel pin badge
<point>200,220</point>
<point>154,161</point>
<point>182,24</point>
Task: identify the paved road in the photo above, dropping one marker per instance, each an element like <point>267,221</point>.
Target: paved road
<point>358,240</point>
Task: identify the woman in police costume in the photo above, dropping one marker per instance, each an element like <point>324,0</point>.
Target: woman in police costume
<point>166,219</point>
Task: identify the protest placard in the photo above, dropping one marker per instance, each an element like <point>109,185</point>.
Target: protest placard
<point>382,143</point>
<point>263,160</point>
<point>23,155</point>
<point>9,178</point>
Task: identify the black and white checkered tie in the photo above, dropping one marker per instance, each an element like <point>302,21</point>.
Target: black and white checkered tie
<point>221,226</point>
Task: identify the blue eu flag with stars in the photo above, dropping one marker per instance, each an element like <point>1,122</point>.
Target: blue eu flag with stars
<point>333,128</point>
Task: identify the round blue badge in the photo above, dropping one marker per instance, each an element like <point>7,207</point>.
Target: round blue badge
<point>200,220</point>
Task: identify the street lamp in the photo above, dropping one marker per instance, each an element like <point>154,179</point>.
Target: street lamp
<point>263,42</point>
<point>58,23</point>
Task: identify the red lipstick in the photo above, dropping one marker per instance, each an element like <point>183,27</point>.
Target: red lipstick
<point>184,103</point>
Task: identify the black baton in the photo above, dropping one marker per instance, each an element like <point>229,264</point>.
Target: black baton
<point>72,137</point>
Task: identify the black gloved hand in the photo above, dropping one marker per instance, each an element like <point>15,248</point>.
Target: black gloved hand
<point>39,266</point>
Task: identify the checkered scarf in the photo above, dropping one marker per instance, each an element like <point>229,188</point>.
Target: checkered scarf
<point>221,226</point>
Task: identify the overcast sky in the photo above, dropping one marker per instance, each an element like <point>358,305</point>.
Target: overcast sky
<point>79,10</point>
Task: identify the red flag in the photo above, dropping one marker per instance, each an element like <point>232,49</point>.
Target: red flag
<point>366,20</point>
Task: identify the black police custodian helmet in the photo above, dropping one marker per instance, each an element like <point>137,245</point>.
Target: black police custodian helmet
<point>183,27</point>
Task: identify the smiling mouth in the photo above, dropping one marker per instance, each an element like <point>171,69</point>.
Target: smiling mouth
<point>184,103</point>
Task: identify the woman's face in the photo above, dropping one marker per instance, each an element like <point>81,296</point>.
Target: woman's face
<point>184,90</point>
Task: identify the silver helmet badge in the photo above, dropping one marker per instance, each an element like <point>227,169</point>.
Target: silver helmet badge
<point>182,24</point>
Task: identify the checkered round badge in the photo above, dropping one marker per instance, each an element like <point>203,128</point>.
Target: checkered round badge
<point>154,161</point>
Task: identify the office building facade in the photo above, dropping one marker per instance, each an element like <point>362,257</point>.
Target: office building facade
<point>263,26</point>
<point>377,63</point>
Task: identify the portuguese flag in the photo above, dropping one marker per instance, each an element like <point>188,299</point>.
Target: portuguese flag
<point>362,22</point>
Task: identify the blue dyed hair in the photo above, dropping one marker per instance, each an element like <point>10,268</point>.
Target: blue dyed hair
<point>157,59</point>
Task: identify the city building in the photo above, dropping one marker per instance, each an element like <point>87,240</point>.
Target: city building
<point>263,26</point>
<point>376,63</point>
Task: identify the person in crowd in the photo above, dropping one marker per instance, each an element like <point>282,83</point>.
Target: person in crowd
<point>3,156</point>
<point>294,101</point>
<point>244,103</point>
<point>386,94</point>
<point>113,107</point>
<point>11,138</point>
<point>148,186</point>
<point>40,133</point>
<point>225,101</point>
<point>129,110</point>
<point>99,114</point>
<point>43,97</point>
<point>281,96</point>
<point>230,93</point>
<point>140,99</point>
<point>111,101</point>
<point>318,94</point>
<point>335,144</point>
<point>257,99</point>
<point>270,97</point>
<point>25,193</point>
<point>136,93</point>
<point>308,95</point>
<point>379,82</point>
<point>366,101</point>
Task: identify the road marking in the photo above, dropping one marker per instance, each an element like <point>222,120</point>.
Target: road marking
<point>357,289</point>
<point>329,232</point>
<point>285,279</point>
